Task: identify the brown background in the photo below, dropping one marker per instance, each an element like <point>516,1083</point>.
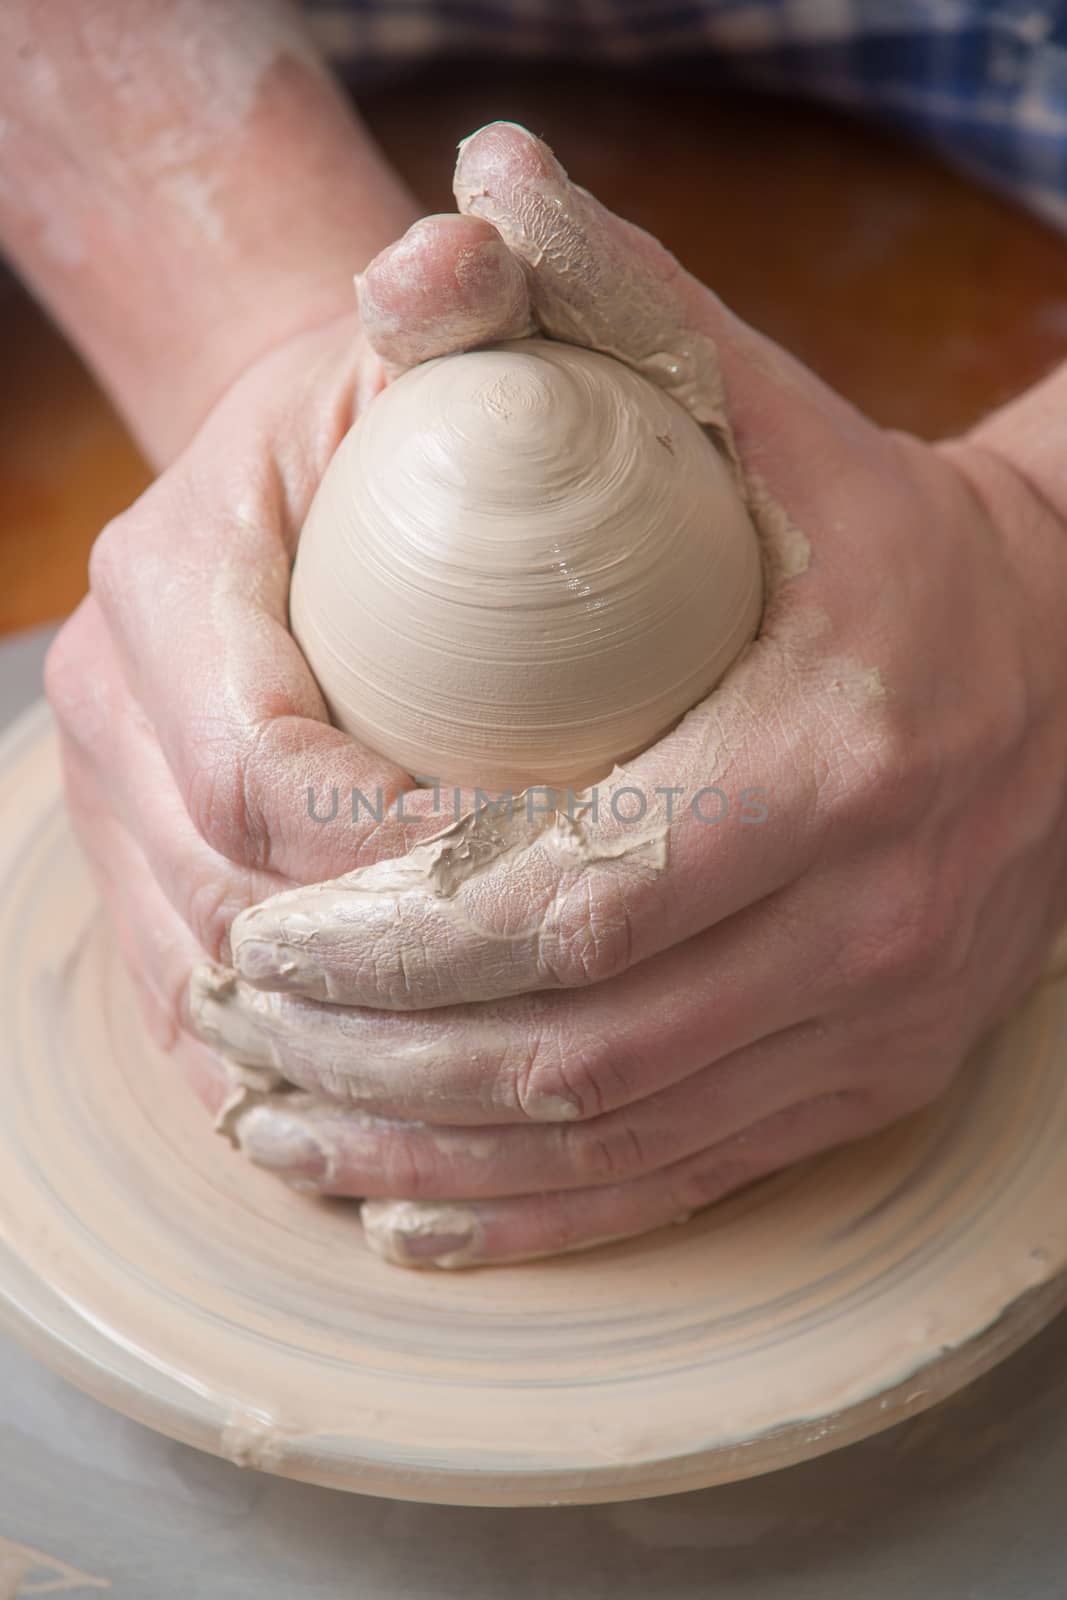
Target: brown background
<point>924,298</point>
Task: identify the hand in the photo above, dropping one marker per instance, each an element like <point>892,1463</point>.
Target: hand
<point>553,1053</point>
<point>190,726</point>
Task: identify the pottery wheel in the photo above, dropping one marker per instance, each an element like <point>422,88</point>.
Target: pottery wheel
<point>148,1263</point>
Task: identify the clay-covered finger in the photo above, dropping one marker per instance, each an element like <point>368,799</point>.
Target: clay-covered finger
<point>547,1057</point>
<point>453,1234</point>
<point>593,279</point>
<point>449,284</point>
<point>338,1151</point>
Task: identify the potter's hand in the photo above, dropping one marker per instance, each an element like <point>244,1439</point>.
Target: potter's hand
<point>191,728</point>
<point>665,1011</point>
<point>190,724</point>
<point>207,220</point>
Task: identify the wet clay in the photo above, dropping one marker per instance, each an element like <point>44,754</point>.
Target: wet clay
<point>523,565</point>
<point>145,1260</point>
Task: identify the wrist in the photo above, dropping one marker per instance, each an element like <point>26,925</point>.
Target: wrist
<point>279,263</point>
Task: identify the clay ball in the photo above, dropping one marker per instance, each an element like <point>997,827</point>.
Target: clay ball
<point>522,566</point>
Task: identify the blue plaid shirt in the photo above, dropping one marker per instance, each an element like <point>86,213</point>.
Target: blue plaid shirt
<point>984,81</point>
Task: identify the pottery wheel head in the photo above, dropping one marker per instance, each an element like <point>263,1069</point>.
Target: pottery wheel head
<point>146,1261</point>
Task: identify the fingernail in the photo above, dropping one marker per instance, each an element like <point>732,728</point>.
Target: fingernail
<point>552,1108</point>
<point>283,1144</point>
<point>277,966</point>
<point>437,221</point>
<point>497,122</point>
<point>411,1235</point>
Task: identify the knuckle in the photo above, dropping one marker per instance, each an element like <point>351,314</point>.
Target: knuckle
<point>557,1082</point>
<point>909,938</point>
<point>408,1169</point>
<point>708,1180</point>
<point>881,773</point>
<point>592,937</point>
<point>64,674</point>
<point>212,794</point>
<point>219,796</point>
<point>607,1151</point>
<point>208,912</point>
<point>78,687</point>
<point>910,931</point>
<point>111,561</point>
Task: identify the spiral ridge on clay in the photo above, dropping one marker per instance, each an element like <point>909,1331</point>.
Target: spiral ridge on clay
<point>523,565</point>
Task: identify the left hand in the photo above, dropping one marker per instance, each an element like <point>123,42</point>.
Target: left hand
<point>546,1053</point>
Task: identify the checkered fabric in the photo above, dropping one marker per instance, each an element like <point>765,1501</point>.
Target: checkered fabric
<point>984,81</point>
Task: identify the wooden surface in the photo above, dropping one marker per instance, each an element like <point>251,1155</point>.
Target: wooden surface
<point>922,297</point>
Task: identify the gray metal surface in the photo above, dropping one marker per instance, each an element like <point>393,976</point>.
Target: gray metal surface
<point>964,1503</point>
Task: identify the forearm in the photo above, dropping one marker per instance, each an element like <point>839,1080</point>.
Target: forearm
<point>183,185</point>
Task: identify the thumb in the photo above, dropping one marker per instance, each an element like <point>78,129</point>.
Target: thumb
<point>599,281</point>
